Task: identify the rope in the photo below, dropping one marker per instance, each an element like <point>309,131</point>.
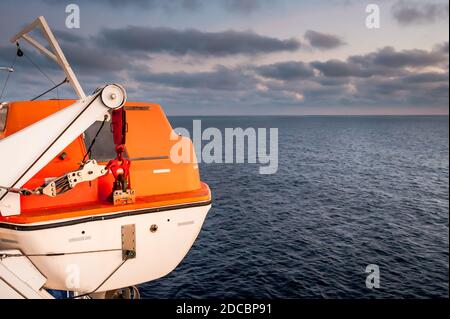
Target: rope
<point>20,53</point>
<point>104,281</point>
<point>21,191</point>
<point>43,73</point>
<point>39,69</point>
<point>88,152</point>
<point>51,89</point>
<point>4,256</point>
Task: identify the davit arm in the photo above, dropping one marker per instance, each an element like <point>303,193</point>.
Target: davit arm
<point>25,153</point>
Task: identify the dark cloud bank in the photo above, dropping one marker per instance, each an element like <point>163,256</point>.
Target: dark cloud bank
<point>322,40</point>
<point>416,12</point>
<point>233,6</point>
<point>383,78</point>
<point>182,42</point>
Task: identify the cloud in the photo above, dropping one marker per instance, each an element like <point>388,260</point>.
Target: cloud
<point>286,71</point>
<point>242,6</point>
<point>442,47</point>
<point>90,59</point>
<point>384,77</point>
<point>221,78</point>
<point>7,55</point>
<point>193,42</point>
<point>323,41</point>
<point>67,36</point>
<point>359,81</point>
<point>415,58</point>
<point>93,59</point>
<point>413,13</point>
<point>427,77</point>
<point>143,4</point>
<point>397,92</point>
<point>169,6</point>
<point>337,68</point>
<point>384,62</point>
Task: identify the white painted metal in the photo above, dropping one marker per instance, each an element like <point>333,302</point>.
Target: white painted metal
<point>24,148</point>
<point>6,69</point>
<point>57,55</point>
<point>88,172</point>
<point>40,47</point>
<point>19,279</point>
<point>157,253</point>
<point>114,96</point>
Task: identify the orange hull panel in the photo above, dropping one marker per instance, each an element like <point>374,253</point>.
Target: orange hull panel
<point>156,180</point>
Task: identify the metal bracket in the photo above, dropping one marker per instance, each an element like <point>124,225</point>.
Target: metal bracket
<point>89,171</point>
<point>124,198</point>
<point>128,241</point>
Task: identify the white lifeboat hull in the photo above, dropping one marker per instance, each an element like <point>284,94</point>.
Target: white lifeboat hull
<point>88,250</point>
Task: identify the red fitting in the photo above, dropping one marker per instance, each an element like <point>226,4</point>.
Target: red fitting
<point>120,168</point>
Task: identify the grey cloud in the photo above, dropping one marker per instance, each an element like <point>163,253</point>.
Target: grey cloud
<point>428,77</point>
<point>384,62</point>
<point>442,47</point>
<point>382,78</point>
<point>221,78</point>
<point>359,81</point>
<point>6,55</point>
<point>67,36</point>
<point>323,41</point>
<point>331,81</point>
<point>142,4</point>
<point>83,55</point>
<point>440,91</point>
<point>386,77</point>
<point>407,58</point>
<point>183,42</point>
<point>397,91</point>
<point>93,59</point>
<point>413,12</point>
<point>242,6</point>
<point>336,68</point>
<point>286,71</point>
<point>234,6</point>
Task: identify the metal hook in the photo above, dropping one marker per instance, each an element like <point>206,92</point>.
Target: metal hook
<point>19,51</point>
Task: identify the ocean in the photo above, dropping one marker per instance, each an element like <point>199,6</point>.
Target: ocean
<point>349,192</point>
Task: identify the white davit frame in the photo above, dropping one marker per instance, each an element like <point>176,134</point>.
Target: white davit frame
<point>57,55</point>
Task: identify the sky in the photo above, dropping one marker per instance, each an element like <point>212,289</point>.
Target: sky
<point>243,57</point>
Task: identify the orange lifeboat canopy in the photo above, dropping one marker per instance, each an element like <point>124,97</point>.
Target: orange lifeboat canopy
<point>156,179</point>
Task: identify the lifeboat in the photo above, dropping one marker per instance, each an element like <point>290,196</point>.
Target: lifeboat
<point>89,193</point>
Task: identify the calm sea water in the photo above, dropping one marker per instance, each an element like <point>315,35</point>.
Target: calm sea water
<point>350,191</point>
